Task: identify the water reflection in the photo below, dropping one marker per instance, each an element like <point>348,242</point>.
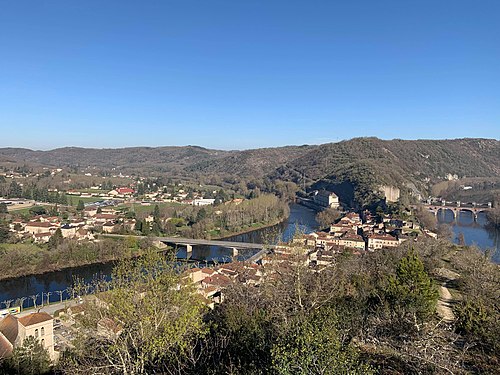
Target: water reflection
<point>475,232</point>
<point>300,217</point>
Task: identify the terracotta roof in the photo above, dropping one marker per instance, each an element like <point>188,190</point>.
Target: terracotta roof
<point>208,271</point>
<point>385,237</point>
<point>218,280</point>
<point>106,216</point>
<point>43,234</point>
<point>40,225</point>
<point>125,190</point>
<point>34,318</point>
<point>6,346</point>
<point>9,328</point>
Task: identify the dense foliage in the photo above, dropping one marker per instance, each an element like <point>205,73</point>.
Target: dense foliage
<point>365,315</point>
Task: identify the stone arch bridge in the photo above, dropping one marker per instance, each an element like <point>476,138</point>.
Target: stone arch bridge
<point>457,207</point>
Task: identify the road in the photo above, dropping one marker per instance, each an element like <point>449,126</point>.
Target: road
<point>49,309</point>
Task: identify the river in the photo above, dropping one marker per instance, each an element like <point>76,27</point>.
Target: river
<point>300,217</point>
<point>475,233</point>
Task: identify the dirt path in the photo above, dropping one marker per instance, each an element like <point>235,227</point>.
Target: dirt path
<point>445,301</point>
<point>444,304</point>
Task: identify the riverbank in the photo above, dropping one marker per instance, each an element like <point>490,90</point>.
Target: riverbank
<point>39,258</point>
<point>22,260</point>
<point>248,230</point>
<point>38,283</point>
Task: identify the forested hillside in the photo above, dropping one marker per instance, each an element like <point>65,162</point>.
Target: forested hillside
<point>366,162</point>
<point>396,161</point>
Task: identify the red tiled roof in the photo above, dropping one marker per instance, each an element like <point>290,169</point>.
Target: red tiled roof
<point>106,216</point>
<point>385,237</point>
<point>44,234</point>
<point>124,190</point>
<point>6,346</point>
<point>208,271</point>
<point>40,225</point>
<point>9,328</point>
<point>34,318</point>
<point>218,280</point>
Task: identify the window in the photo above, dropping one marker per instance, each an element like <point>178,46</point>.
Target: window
<point>42,331</point>
<point>36,332</point>
<point>43,342</point>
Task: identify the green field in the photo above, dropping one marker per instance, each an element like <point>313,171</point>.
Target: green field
<point>73,199</point>
<point>138,208</point>
<point>25,210</point>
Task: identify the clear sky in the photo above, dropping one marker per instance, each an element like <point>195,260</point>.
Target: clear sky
<point>245,73</point>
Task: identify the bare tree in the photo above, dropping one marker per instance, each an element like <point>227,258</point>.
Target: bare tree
<point>48,294</point>
<point>7,302</point>
<point>21,302</point>
<point>60,293</point>
<point>34,297</point>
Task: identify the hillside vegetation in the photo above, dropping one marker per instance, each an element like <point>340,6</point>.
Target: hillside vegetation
<point>364,163</point>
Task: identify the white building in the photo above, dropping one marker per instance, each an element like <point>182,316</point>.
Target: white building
<point>327,199</point>
<point>13,332</point>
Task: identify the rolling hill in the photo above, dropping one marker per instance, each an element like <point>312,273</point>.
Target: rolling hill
<point>361,161</point>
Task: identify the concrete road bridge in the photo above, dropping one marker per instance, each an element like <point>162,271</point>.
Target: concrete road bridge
<point>190,242</point>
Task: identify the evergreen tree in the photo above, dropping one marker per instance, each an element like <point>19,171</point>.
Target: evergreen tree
<point>55,239</point>
<point>80,206</point>
<point>38,210</point>
<point>31,358</point>
<point>411,291</point>
<point>4,233</point>
<point>156,214</point>
<point>15,190</point>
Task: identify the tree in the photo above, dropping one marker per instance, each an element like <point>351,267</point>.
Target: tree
<point>426,218</point>
<point>311,345</point>
<point>4,233</point>
<point>493,217</point>
<point>202,214</point>
<point>327,217</point>
<point>147,323</point>
<point>31,358</point>
<point>38,210</point>
<point>15,190</point>
<point>156,214</point>
<point>411,292</point>
<point>3,208</point>
<point>80,206</point>
<point>56,239</point>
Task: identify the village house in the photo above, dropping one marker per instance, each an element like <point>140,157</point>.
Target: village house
<point>354,241</point>
<point>379,241</point>
<point>35,227</point>
<point>103,218</point>
<point>125,191</point>
<point>326,199</point>
<point>68,231</point>
<point>42,237</point>
<point>108,227</point>
<point>13,332</point>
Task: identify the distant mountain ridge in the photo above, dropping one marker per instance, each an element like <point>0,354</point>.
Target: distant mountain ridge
<point>394,162</point>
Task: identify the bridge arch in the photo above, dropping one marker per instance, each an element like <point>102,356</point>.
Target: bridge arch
<point>442,210</point>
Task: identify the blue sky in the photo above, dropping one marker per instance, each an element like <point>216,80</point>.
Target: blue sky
<point>245,74</point>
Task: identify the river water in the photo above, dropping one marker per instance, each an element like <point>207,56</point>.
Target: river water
<point>301,218</point>
<point>475,233</point>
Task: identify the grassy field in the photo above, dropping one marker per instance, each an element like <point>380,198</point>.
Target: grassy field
<point>73,199</point>
<point>25,210</point>
<point>139,209</point>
